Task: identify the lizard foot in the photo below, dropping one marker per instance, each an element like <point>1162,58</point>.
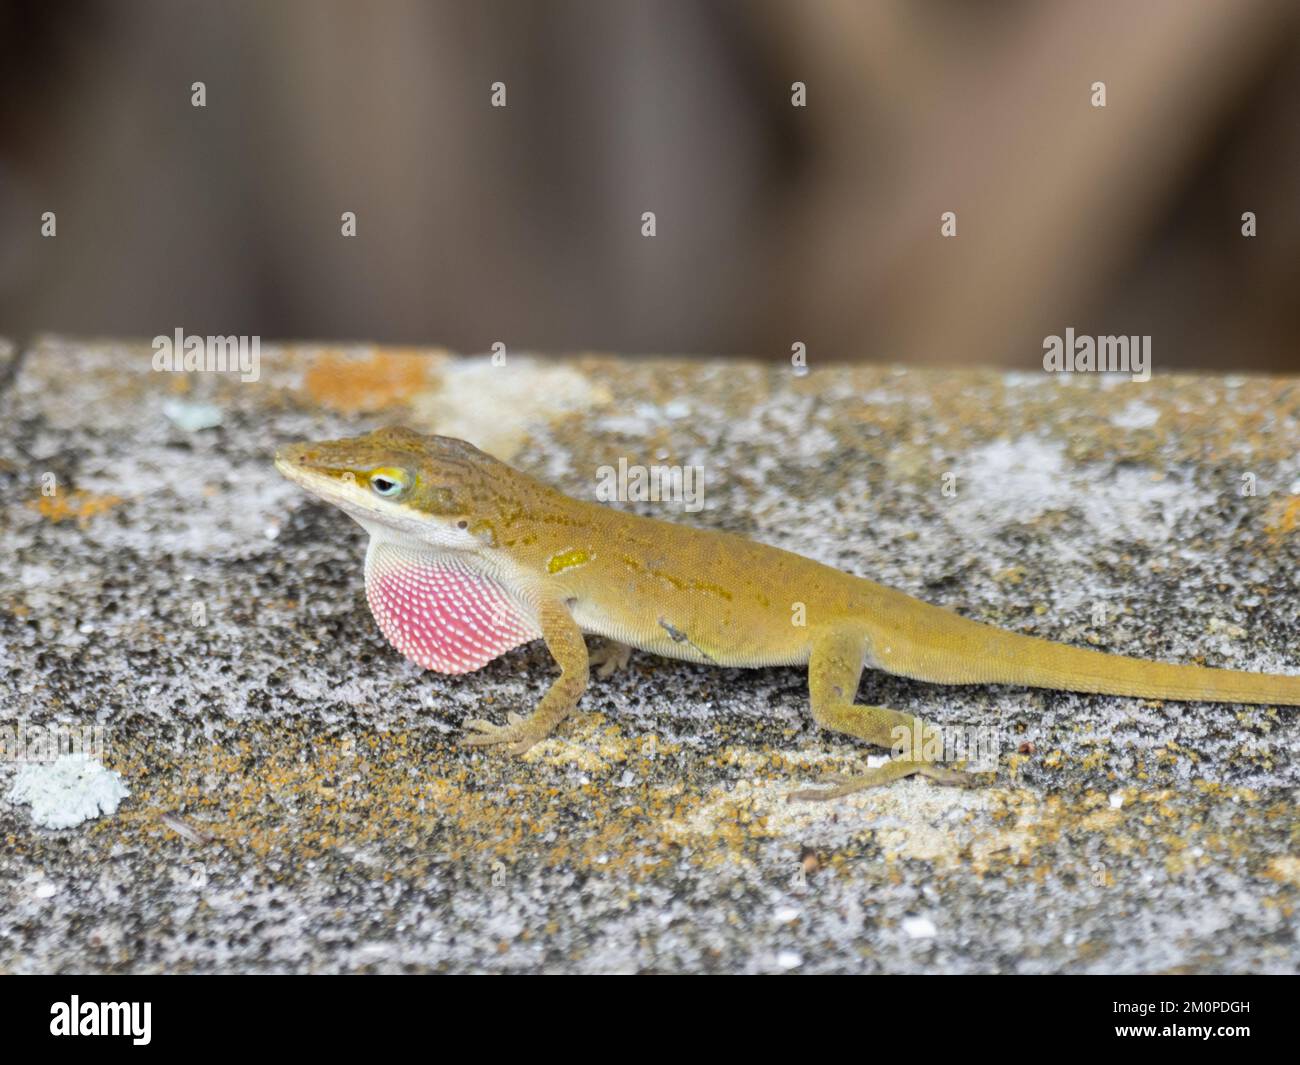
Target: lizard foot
<point>517,735</point>
<point>842,784</point>
<point>609,658</point>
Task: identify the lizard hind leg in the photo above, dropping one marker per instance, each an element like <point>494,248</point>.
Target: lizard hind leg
<point>834,669</point>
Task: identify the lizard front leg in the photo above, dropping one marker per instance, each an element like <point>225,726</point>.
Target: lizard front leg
<point>568,648</point>
<point>834,669</point>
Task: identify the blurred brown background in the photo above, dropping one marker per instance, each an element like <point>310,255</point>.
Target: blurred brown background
<point>775,224</point>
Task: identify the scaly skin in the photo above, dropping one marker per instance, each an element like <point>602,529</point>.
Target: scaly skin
<point>571,567</point>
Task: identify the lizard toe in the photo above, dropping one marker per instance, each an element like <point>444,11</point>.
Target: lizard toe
<point>610,658</point>
<point>485,733</point>
<point>516,737</point>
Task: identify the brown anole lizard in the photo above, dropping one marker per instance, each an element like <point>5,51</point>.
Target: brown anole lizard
<point>469,558</point>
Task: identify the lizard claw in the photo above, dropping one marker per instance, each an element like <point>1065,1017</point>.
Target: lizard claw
<point>824,794</point>
<point>958,778</point>
<point>846,784</point>
<point>516,736</point>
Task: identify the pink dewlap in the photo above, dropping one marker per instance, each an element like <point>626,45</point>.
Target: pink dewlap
<point>439,613</point>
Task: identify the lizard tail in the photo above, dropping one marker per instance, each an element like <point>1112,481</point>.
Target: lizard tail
<point>955,650</point>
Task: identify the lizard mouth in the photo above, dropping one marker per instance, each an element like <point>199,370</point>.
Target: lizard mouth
<point>290,465</point>
<point>293,462</point>
<point>301,463</point>
<point>288,455</point>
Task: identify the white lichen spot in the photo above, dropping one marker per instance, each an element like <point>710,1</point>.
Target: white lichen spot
<point>919,928</point>
<point>1137,415</point>
<point>1022,479</point>
<point>1024,378</point>
<point>474,392</point>
<point>67,791</point>
<point>191,416</point>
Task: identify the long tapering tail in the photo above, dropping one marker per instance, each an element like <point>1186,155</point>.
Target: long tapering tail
<point>944,648</point>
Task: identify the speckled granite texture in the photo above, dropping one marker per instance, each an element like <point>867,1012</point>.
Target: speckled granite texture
<point>298,800</point>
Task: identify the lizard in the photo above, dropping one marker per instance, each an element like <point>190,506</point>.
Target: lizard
<point>469,558</point>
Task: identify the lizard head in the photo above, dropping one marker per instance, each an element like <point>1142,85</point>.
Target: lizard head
<point>434,488</point>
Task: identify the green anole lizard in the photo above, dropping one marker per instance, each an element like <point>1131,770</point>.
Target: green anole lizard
<point>469,558</point>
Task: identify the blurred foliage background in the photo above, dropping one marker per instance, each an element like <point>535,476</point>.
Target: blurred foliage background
<point>775,224</point>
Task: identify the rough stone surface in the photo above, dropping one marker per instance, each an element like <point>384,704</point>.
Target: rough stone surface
<point>298,800</point>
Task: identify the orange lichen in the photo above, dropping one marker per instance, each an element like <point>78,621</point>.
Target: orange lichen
<point>1286,520</point>
<point>80,505</point>
<point>1285,869</point>
<point>351,385</point>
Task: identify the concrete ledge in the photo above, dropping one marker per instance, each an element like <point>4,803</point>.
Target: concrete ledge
<point>298,801</point>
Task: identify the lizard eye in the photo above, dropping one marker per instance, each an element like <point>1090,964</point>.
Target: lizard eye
<point>389,483</point>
